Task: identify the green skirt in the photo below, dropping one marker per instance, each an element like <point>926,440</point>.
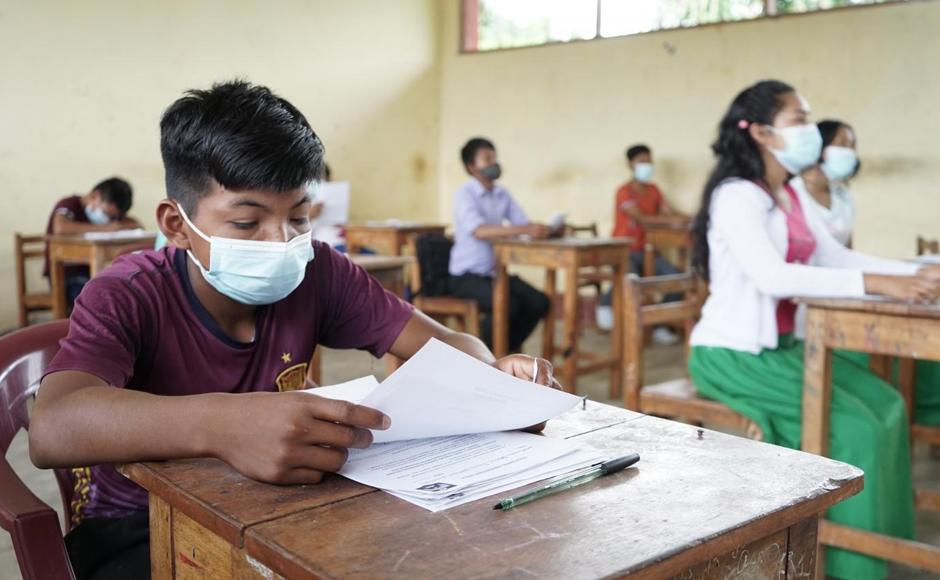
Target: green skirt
<point>868,429</point>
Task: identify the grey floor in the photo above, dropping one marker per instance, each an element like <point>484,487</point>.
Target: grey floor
<point>662,363</point>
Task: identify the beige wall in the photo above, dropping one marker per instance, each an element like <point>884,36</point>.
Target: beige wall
<point>562,115</point>
<point>84,85</point>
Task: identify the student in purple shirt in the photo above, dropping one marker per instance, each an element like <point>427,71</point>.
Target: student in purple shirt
<point>191,350</point>
<point>484,211</point>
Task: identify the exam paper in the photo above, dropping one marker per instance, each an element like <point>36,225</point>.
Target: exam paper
<point>118,235</point>
<point>443,391</point>
<point>444,472</point>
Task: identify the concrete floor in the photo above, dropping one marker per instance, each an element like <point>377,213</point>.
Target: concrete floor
<point>662,363</point>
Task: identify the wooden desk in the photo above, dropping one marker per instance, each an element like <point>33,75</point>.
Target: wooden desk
<point>390,239</point>
<point>571,254</point>
<point>390,272</point>
<point>879,327</point>
<point>97,254</point>
<point>700,504</point>
<point>676,237</point>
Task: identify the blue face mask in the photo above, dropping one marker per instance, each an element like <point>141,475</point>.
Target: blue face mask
<point>254,272</point>
<point>643,172</point>
<point>839,163</point>
<point>801,149</point>
<point>97,216</point>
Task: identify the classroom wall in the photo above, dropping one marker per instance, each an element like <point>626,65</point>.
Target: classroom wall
<point>562,115</point>
<point>85,84</point>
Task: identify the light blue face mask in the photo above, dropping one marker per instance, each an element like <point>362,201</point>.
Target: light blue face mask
<point>97,216</point>
<point>802,146</point>
<point>839,163</point>
<point>254,272</point>
<point>643,172</point>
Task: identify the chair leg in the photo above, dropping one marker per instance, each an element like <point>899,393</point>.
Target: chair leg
<point>472,320</point>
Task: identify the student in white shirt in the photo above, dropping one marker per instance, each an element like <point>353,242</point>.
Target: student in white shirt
<point>758,248</point>
<point>824,187</point>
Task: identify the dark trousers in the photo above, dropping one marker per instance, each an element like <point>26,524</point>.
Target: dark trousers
<point>527,306</point>
<point>111,548</point>
<point>661,267</point>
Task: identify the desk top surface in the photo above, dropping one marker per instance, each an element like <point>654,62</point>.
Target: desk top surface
<point>567,243</point>
<point>876,306</point>
<point>81,240</point>
<point>376,262</point>
<point>397,226</point>
<point>692,493</point>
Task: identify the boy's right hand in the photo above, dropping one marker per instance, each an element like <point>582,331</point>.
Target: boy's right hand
<point>290,438</point>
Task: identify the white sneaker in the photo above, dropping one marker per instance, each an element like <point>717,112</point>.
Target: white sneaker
<point>664,336</point>
<point>604,315</point>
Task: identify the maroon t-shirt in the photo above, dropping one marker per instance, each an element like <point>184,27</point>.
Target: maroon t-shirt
<point>72,208</point>
<point>138,325</point>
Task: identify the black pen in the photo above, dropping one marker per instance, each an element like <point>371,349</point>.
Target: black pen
<point>573,480</point>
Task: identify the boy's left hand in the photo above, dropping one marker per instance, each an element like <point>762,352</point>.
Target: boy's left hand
<point>521,366</point>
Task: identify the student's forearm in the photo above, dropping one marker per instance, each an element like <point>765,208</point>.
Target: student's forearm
<point>470,345</point>
<point>493,232</point>
<point>103,424</point>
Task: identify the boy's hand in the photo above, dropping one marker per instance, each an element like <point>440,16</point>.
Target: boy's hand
<point>290,438</point>
<point>521,366</point>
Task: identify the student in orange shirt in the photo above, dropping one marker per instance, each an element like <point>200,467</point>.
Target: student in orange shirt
<point>640,202</point>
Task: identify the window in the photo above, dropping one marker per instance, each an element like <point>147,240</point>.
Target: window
<point>496,24</point>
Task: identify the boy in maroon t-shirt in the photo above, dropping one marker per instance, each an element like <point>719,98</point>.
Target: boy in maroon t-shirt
<point>189,351</point>
<point>103,209</point>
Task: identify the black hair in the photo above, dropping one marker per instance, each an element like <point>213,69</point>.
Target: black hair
<point>469,151</point>
<point>117,191</point>
<point>243,136</point>
<point>639,149</point>
<point>829,128</point>
<point>326,172</point>
<point>738,154</point>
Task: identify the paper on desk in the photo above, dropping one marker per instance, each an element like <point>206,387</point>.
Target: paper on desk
<point>118,235</point>
<point>443,391</point>
<point>334,196</point>
<point>444,472</point>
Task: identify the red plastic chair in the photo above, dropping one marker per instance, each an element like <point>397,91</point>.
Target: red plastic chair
<point>34,526</point>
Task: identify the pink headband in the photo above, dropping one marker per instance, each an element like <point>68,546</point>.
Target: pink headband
<point>742,124</point>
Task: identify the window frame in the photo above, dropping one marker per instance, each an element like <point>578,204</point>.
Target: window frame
<point>470,21</point>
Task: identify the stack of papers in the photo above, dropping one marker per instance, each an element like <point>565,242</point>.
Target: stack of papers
<point>451,440</point>
<point>118,235</point>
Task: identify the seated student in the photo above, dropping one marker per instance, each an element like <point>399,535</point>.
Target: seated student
<point>484,211</point>
<point>181,352</point>
<point>103,209</point>
<point>758,248</point>
<point>823,188</point>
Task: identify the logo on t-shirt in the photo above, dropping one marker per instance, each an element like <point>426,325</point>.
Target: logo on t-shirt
<point>292,378</point>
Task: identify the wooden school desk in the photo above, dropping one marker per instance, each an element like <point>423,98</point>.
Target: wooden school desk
<point>671,237</point>
<point>878,327</point>
<point>699,504</point>
<point>390,272</point>
<point>96,253</point>
<point>571,254</point>
<point>390,238</point>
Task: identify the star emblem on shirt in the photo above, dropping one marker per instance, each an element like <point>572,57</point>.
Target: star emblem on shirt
<point>286,357</point>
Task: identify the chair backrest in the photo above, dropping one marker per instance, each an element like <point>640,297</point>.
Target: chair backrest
<point>641,311</point>
<point>432,253</point>
<point>572,230</point>
<point>34,526</point>
<point>925,246</point>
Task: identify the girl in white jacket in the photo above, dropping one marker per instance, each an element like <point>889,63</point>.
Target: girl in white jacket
<point>758,249</point>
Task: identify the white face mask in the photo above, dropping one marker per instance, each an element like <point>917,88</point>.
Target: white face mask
<point>643,172</point>
<point>254,272</point>
<point>97,216</point>
<point>839,163</point>
<point>801,149</point>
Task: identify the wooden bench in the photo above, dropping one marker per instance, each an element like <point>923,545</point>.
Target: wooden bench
<point>444,308</point>
<point>29,248</point>
<point>677,399</point>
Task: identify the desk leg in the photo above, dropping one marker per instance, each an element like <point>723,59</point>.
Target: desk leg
<point>616,339</point>
<point>548,325</point>
<point>817,384</point>
<point>57,283</point>
<point>97,262</point>
<point>500,314</point>
<point>570,369</point>
<point>161,539</point>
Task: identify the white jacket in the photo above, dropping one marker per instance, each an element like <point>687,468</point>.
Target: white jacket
<point>747,239</point>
